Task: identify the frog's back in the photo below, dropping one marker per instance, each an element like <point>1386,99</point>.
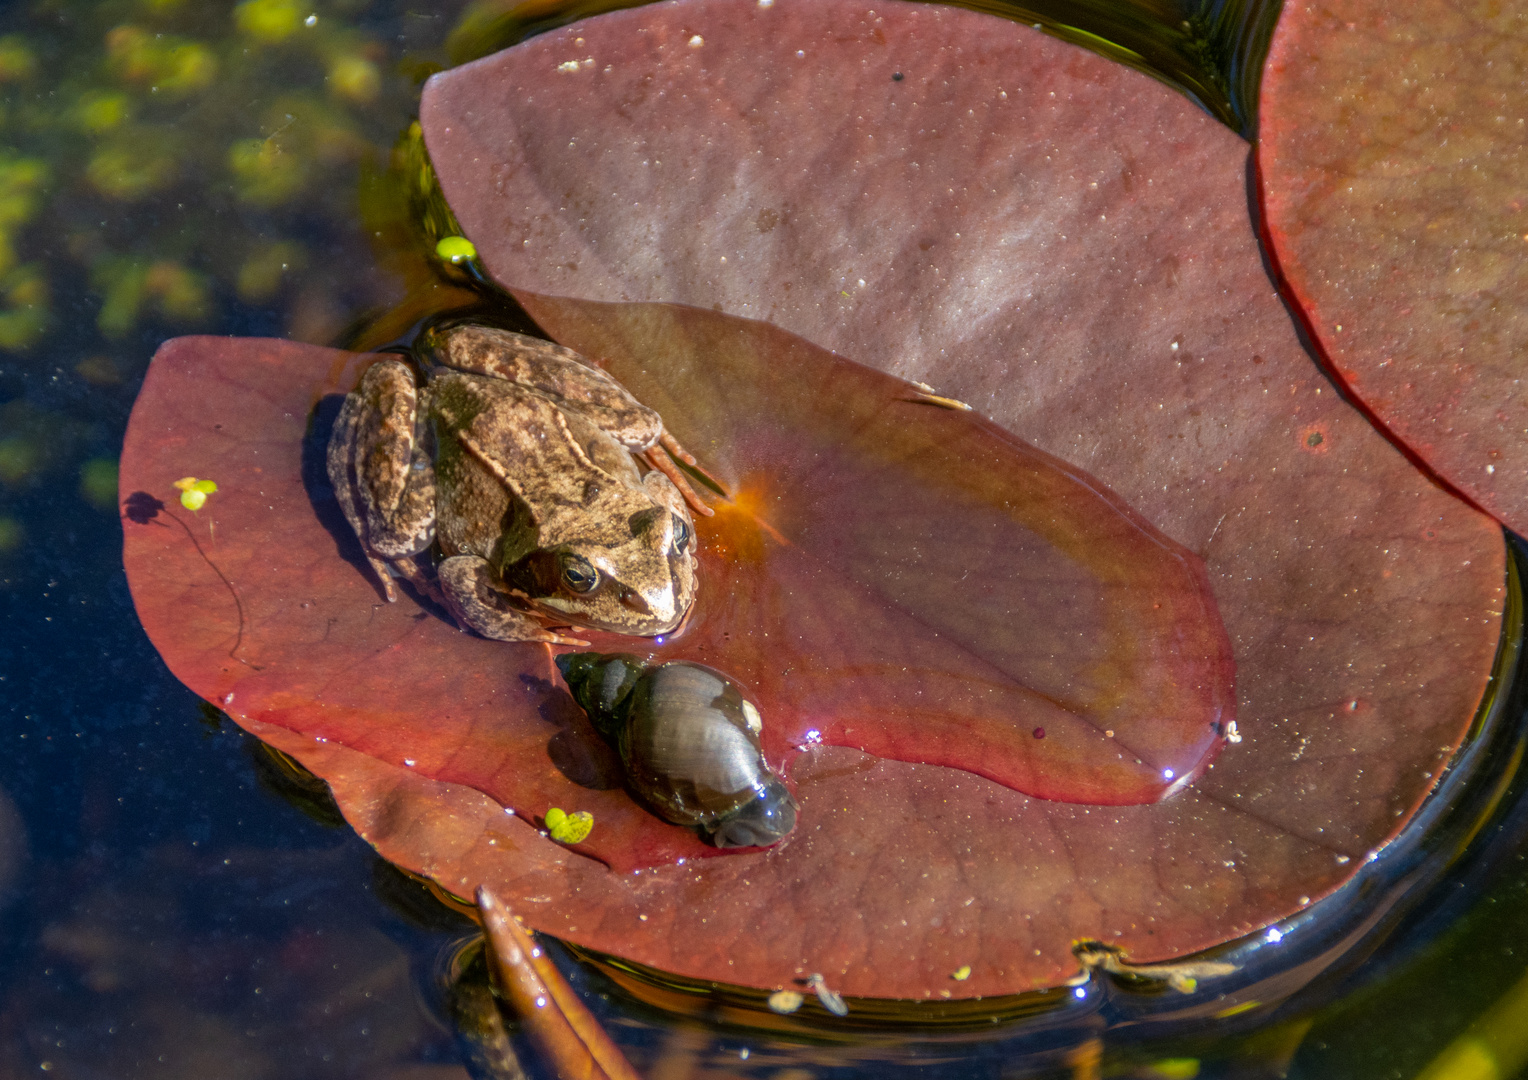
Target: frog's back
<point>515,462</point>
<point>475,508</point>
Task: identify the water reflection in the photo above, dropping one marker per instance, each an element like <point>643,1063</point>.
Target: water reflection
<point>231,961</point>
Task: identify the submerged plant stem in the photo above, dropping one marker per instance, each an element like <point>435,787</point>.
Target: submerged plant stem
<point>567,1032</point>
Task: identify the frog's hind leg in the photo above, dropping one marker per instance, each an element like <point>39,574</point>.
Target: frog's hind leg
<point>341,468</point>
<point>381,468</point>
<point>480,602</point>
<point>393,462</point>
<point>410,526</point>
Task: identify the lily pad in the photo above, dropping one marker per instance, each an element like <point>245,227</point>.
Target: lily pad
<point>1062,646</point>
<point>1068,650</point>
<point>1128,329</point>
<point>1392,154</point>
<point>1064,244</point>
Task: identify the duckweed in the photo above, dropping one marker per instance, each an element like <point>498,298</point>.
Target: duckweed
<point>456,249</point>
<point>266,269</point>
<point>246,131</point>
<point>98,483</point>
<point>21,182</point>
<point>355,78</point>
<point>24,312</point>
<point>137,164</point>
<point>268,21</point>
<point>99,370</point>
<point>128,285</point>
<point>19,458</point>
<point>264,173</point>
<point>179,293</point>
<point>166,64</point>
<point>568,828</point>
<point>17,62</point>
<point>168,166</point>
<point>194,492</point>
<point>100,111</point>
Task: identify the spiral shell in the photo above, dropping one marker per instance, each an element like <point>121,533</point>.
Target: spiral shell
<point>688,739</point>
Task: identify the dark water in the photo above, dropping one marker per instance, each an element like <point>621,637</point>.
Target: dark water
<point>173,901</point>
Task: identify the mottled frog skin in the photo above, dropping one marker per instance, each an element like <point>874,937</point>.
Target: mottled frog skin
<point>513,459</point>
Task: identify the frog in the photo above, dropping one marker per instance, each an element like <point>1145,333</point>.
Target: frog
<point>511,464</point>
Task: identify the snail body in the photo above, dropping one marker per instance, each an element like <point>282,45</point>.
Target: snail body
<point>688,739</point>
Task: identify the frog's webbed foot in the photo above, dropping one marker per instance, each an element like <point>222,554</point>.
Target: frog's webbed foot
<point>481,603</point>
<point>409,570</point>
<point>423,580</point>
<point>664,462</point>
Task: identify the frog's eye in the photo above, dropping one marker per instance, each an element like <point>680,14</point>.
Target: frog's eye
<point>681,535</point>
<point>578,574</point>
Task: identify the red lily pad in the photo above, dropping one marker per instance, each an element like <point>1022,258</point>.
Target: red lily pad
<point>1062,647</point>
<point>1068,651</point>
<point>1392,155</point>
<point>1064,244</point>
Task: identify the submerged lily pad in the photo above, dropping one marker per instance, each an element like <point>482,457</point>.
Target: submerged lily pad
<point>1392,155</point>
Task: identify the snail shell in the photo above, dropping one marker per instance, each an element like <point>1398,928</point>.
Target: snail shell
<point>689,742</point>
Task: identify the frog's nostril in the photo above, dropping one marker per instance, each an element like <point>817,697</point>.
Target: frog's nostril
<point>634,600</point>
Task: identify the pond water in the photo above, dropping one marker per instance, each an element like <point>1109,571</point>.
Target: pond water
<point>179,902</point>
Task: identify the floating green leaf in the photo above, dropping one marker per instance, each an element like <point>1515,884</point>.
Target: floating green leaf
<point>568,828</point>
<point>194,492</point>
<point>455,249</point>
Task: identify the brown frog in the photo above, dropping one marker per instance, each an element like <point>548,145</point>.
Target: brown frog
<point>515,458</point>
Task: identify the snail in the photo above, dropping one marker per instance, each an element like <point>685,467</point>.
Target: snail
<point>689,742</point>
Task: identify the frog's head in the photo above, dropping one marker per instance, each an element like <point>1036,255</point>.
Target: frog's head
<point>628,568</point>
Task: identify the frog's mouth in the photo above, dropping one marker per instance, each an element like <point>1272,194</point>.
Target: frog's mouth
<point>611,605</point>
<point>657,618</point>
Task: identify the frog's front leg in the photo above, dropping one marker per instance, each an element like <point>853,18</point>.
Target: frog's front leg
<point>480,602</point>
<point>380,466</point>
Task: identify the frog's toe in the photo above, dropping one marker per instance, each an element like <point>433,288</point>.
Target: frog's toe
<point>554,638</point>
<point>385,577</point>
<point>671,444</point>
<point>655,457</point>
<point>424,582</point>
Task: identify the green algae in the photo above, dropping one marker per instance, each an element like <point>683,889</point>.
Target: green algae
<point>98,483</point>
<point>167,161</point>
